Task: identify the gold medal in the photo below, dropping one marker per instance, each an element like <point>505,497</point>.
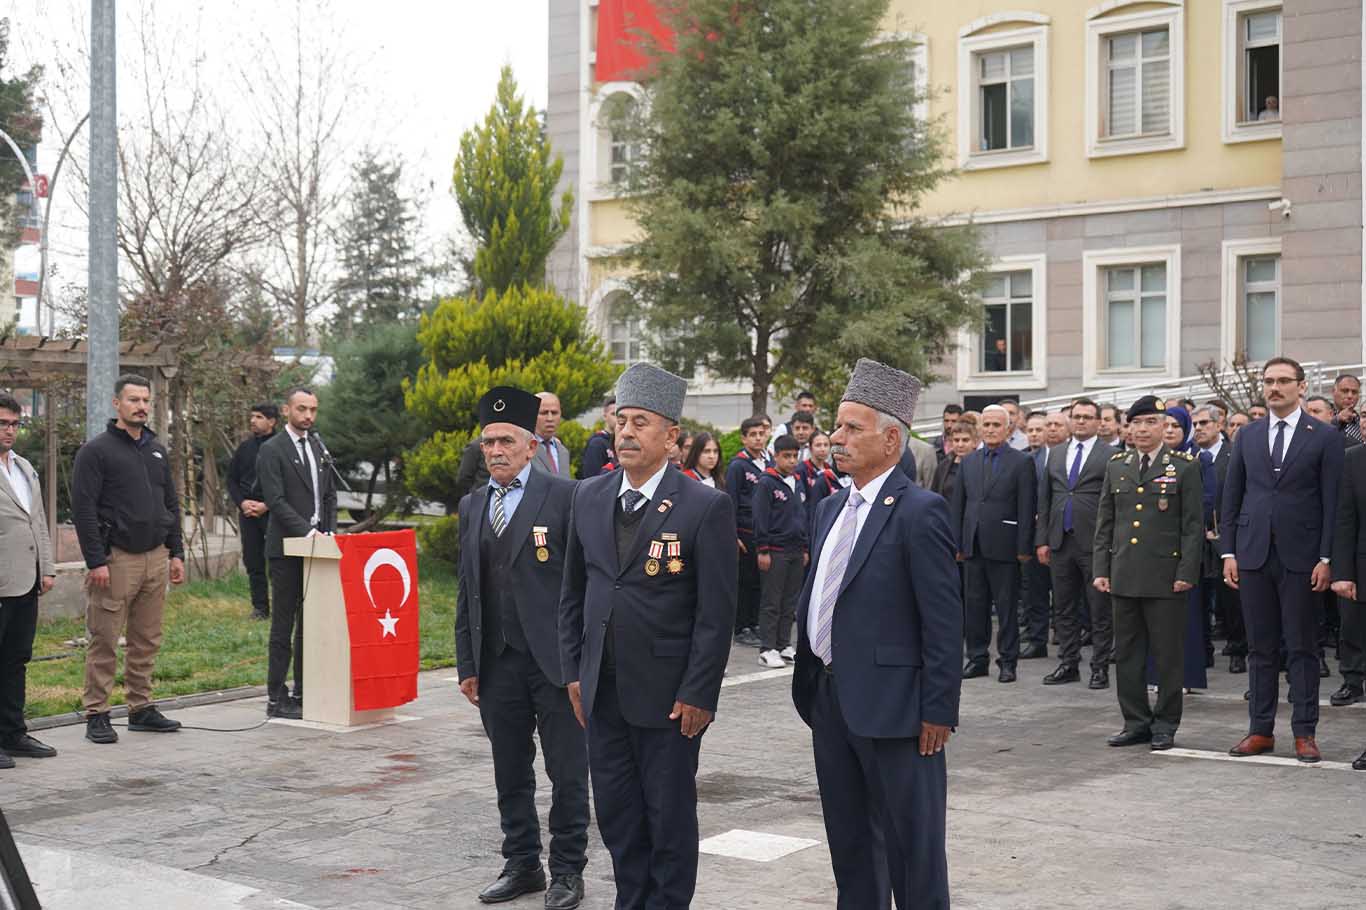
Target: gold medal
<point>652,567</point>
<point>542,554</point>
<point>675,566</point>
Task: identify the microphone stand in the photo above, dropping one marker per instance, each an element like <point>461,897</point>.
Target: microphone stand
<point>330,462</point>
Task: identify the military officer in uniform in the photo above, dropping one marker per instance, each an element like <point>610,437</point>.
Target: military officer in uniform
<point>1149,535</point>
<point>646,614</point>
<point>512,545</point>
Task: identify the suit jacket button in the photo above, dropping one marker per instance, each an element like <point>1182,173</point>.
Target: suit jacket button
<point>1139,507</point>
<point>617,586</point>
<point>1135,524</point>
<point>1133,540</point>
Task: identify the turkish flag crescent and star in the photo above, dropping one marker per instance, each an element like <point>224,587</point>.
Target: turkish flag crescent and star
<point>379,584</point>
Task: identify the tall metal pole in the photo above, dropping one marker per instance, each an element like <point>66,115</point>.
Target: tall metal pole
<point>102,361</point>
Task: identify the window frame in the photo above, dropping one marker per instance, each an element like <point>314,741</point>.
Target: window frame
<point>1234,129</point>
<point>969,48</point>
<point>1095,372</point>
<point>1234,253</point>
<point>1100,28</point>
<point>599,151</point>
<point>970,376</point>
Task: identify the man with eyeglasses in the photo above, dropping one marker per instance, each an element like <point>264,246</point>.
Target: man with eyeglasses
<point>26,571</point>
<point>1276,533</point>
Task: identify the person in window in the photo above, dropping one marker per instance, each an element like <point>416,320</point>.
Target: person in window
<point>1272,111</point>
<point>703,456</point>
<point>996,357</point>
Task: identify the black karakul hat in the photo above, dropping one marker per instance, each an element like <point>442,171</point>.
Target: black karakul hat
<point>505,404</point>
<point>1148,404</point>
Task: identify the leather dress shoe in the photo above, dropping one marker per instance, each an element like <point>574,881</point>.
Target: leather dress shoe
<point>1033,651</point>
<point>1007,675</point>
<point>1253,744</point>
<point>1347,695</point>
<point>512,884</point>
<point>1306,750</point>
<point>1065,673</point>
<point>1130,738</point>
<point>565,893</point>
<point>1100,678</point>
<point>972,671</point>
<point>285,707</point>
<point>27,747</point>
<point>1237,663</point>
<point>1360,763</point>
<point>1162,742</point>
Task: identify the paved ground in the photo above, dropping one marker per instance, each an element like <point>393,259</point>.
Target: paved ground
<point>1042,813</point>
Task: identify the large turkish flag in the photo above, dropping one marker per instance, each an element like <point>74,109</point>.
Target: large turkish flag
<point>379,582</point>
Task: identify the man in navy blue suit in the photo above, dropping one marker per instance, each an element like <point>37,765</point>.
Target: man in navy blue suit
<point>992,515</point>
<point>1276,534</point>
<point>646,611</point>
<point>879,636</point>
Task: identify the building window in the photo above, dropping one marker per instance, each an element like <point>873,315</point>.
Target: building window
<point>611,155</point>
<point>1134,82</point>
<point>1002,97</point>
<point>1136,317</point>
<point>1252,70</point>
<point>1251,315</point>
<point>1009,348</point>
<point>621,152</point>
<point>1131,315</point>
<point>623,336</point>
<point>1008,331</point>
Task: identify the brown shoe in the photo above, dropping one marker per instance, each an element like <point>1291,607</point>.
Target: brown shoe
<point>1253,744</point>
<point>1306,750</point>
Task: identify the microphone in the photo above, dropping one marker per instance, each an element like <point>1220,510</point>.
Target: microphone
<point>317,437</point>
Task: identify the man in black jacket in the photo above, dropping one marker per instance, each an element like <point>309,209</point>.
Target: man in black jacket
<point>646,613</point>
<point>597,453</point>
<point>296,479</point>
<point>245,491</point>
<point>508,653</point>
<point>126,511</point>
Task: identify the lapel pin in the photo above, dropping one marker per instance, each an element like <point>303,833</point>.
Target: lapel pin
<point>664,506</point>
<point>889,500</point>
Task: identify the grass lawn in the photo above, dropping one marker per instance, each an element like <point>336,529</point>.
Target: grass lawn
<point>211,643</point>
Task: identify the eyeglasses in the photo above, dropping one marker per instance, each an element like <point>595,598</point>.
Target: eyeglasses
<point>9,424</point>
<point>1279,380</point>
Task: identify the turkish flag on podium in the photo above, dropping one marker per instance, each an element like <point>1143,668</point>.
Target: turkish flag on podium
<point>379,583</point>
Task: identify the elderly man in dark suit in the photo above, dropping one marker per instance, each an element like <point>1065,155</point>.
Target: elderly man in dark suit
<point>508,651</point>
<point>1349,559</point>
<point>876,676</point>
<point>1069,494</point>
<point>646,613</point>
<point>296,479</point>
<point>992,516</point>
<point>1276,533</point>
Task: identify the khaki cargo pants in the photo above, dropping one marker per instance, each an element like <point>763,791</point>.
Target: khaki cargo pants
<point>135,597</point>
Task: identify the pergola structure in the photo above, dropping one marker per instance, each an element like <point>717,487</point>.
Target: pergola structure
<point>36,363</point>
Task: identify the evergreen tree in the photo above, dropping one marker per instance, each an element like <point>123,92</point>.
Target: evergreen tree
<point>512,330</point>
<point>777,202</point>
<point>20,118</point>
<point>380,270</point>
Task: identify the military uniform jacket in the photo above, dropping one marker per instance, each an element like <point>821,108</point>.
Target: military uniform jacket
<point>1149,528</point>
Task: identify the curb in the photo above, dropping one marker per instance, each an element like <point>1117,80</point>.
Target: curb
<point>72,718</point>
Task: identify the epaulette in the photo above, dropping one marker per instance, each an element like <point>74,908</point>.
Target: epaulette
<point>1117,456</point>
<point>1186,455</point>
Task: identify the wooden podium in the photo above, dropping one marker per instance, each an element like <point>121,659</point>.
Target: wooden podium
<point>327,641</point>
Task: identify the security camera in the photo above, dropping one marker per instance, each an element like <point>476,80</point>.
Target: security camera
<point>1280,205</point>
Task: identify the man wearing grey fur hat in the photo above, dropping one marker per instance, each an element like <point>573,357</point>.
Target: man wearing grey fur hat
<point>646,612</point>
<point>879,637</point>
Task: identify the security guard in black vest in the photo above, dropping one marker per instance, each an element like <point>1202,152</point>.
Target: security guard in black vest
<point>512,545</point>
<point>1149,540</point>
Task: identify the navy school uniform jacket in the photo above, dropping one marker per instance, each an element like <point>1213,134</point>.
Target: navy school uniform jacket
<point>779,512</point>
<point>819,483</point>
<point>741,476</point>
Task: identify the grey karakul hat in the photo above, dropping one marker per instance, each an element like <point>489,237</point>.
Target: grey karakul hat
<point>647,386</point>
<point>884,389</point>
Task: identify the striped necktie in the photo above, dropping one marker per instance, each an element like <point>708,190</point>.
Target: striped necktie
<point>500,520</point>
<point>834,577</point>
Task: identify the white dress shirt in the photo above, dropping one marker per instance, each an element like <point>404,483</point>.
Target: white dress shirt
<point>312,466</point>
<point>869,494</point>
<point>1292,420</point>
<point>647,489</point>
<point>708,481</point>
<point>1218,446</point>
<point>1086,446</point>
<point>18,481</point>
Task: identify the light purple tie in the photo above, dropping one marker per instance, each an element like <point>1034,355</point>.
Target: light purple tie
<point>834,577</point>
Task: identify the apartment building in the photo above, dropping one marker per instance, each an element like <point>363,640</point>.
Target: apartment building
<point>1159,184</point>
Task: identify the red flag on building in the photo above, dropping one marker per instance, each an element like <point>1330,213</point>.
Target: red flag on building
<point>379,584</point>
<point>620,24</point>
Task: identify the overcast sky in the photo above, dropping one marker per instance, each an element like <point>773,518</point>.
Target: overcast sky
<point>427,71</point>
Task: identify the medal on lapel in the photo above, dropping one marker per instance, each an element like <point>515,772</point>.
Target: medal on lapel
<point>652,564</point>
<point>538,538</point>
<point>1161,503</point>
<point>675,560</point>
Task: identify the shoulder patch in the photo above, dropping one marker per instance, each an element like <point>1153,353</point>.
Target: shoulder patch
<point>1188,456</point>
<point>1117,456</point>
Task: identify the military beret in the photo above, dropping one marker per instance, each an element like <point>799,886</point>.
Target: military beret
<point>505,404</point>
<point>1148,404</point>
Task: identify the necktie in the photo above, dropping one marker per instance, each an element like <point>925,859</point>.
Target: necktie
<point>1071,485</point>
<point>500,519</point>
<point>1143,466</point>
<point>991,461</point>
<point>308,467</point>
<point>1353,429</point>
<point>834,577</point>
<point>631,499</point>
<point>1206,457</point>
<point>1278,448</point>
<point>550,450</point>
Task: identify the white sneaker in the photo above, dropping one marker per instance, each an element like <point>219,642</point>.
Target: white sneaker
<point>771,659</point>
<point>788,653</point>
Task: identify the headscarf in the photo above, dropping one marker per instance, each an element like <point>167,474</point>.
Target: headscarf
<point>1183,417</point>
